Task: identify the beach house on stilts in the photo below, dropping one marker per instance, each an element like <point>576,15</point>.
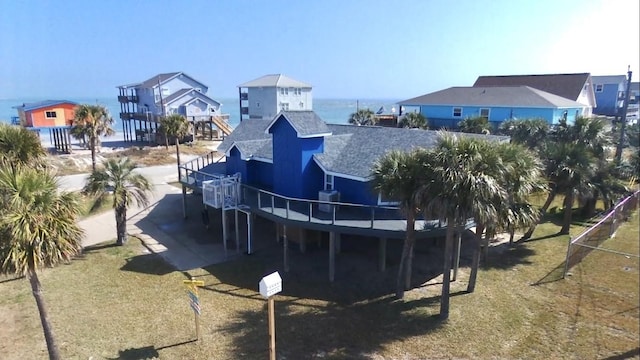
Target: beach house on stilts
<point>143,104</point>
<point>54,116</point>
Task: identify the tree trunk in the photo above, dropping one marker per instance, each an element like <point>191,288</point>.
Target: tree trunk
<point>568,209</point>
<point>36,289</point>
<point>93,152</point>
<point>177,151</point>
<point>404,258</point>
<point>589,208</point>
<point>412,240</point>
<point>543,211</point>
<point>512,234</point>
<point>166,141</point>
<point>121,225</point>
<point>446,272</point>
<point>475,262</point>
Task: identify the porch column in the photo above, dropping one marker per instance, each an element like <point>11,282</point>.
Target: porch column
<point>250,217</point>
<point>456,255</point>
<point>332,256</point>
<point>382,254</point>
<point>237,232</point>
<point>285,248</point>
<point>338,243</point>
<point>184,201</point>
<point>302,240</point>
<point>224,231</point>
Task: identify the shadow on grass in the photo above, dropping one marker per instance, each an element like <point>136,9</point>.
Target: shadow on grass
<point>554,275</point>
<point>11,279</point>
<point>147,352</point>
<point>92,248</point>
<point>333,331</point>
<point>147,264</point>
<point>626,355</point>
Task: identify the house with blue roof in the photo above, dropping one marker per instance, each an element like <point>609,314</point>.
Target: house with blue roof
<point>446,108</point>
<point>54,116</point>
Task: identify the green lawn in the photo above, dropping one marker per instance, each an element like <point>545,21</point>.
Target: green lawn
<point>120,303</point>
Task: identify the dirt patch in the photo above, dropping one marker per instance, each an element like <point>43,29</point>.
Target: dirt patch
<point>79,161</point>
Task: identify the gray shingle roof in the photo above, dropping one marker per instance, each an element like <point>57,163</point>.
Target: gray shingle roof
<point>511,96</point>
<point>274,80</point>
<point>609,79</point>
<point>351,150</point>
<point>182,92</point>
<point>305,123</point>
<point>41,104</point>
<point>565,85</point>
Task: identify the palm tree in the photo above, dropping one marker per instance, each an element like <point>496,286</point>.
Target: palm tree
<point>397,175</point>
<point>20,146</point>
<point>467,188</point>
<point>92,121</point>
<point>38,229</point>
<point>528,132</point>
<point>414,121</point>
<point>475,125</point>
<point>363,117</point>
<point>176,127</point>
<point>118,181</point>
<point>571,153</point>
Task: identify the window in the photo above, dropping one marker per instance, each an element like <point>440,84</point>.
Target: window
<point>281,91</point>
<point>564,115</point>
<point>284,106</point>
<point>384,201</point>
<point>457,112</point>
<point>50,114</point>
<point>257,103</point>
<point>301,105</point>
<point>284,91</point>
<point>328,182</point>
<point>484,113</point>
<point>599,87</point>
<point>297,91</point>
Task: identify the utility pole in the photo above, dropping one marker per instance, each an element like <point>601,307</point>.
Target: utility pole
<point>623,117</point>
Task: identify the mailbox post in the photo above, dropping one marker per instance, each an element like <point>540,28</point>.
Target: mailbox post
<point>269,286</point>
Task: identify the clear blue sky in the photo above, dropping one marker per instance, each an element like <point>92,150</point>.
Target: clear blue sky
<point>345,49</point>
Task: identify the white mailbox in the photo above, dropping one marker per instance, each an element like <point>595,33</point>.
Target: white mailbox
<point>270,285</point>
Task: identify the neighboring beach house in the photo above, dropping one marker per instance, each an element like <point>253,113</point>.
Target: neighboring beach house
<point>56,116</point>
<point>576,87</point>
<point>446,108</point>
<point>143,103</point>
<point>610,93</point>
<point>266,96</point>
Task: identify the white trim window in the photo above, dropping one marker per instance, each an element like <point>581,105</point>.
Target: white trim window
<point>388,202</point>
<point>328,182</point>
<point>599,88</point>
<point>284,106</point>
<point>457,112</point>
<point>484,113</point>
<point>50,114</point>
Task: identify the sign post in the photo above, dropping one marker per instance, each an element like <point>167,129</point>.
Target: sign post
<point>194,301</point>
<point>269,286</point>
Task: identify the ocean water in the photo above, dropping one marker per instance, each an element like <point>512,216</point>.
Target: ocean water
<point>332,111</point>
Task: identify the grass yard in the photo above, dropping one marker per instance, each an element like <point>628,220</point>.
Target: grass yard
<point>122,303</point>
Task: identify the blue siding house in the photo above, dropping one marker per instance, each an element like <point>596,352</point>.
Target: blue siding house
<point>446,108</point>
<point>610,92</point>
<point>298,155</point>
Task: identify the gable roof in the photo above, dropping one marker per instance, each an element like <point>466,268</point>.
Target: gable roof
<point>499,96</point>
<point>349,152</point>
<point>42,104</point>
<point>159,79</point>
<point>565,85</point>
<point>184,92</point>
<point>609,79</point>
<point>274,80</point>
<point>305,123</point>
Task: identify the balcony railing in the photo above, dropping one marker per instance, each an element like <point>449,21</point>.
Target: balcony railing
<point>128,98</point>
